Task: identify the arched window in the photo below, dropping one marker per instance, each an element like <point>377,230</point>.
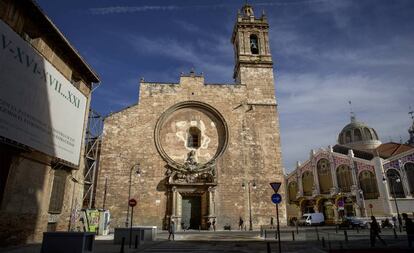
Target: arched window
<point>194,137</point>
<point>293,189</point>
<point>348,137</point>
<point>409,170</point>
<point>344,178</point>
<point>395,184</point>
<point>324,176</point>
<point>368,185</point>
<point>368,134</point>
<point>307,183</point>
<point>357,135</point>
<point>375,134</point>
<point>254,44</point>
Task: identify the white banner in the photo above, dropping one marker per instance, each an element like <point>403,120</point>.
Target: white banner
<point>39,107</point>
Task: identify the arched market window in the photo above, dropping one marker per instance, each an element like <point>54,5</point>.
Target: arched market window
<point>324,176</point>
<point>409,170</point>
<point>395,184</point>
<point>344,178</point>
<point>293,189</point>
<point>368,185</point>
<point>307,183</point>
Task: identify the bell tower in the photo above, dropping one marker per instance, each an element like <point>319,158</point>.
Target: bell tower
<point>253,61</point>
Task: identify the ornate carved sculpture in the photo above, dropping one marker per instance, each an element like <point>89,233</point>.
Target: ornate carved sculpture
<point>191,171</point>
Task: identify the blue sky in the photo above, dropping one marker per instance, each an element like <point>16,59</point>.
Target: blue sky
<point>326,52</point>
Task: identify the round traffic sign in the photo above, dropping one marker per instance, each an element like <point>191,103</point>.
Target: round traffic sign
<point>341,203</point>
<point>132,202</point>
<point>276,198</point>
<point>370,206</point>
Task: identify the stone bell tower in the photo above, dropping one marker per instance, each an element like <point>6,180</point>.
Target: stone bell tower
<point>260,150</point>
<point>253,61</point>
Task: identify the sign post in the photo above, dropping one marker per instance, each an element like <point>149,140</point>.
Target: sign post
<point>370,207</point>
<point>276,199</point>
<point>132,203</point>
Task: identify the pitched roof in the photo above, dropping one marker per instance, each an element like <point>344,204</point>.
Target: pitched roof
<point>389,149</point>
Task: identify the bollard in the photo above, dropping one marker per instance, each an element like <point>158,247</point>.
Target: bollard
<point>122,245</point>
<point>275,234</point>
<point>346,235</point>
<point>357,229</point>
<point>340,245</point>
<point>329,244</point>
<point>136,241</point>
<point>265,233</point>
<point>336,229</point>
<point>323,242</point>
<point>317,233</point>
<point>297,228</point>
<point>293,235</point>
<point>268,248</point>
<point>395,233</point>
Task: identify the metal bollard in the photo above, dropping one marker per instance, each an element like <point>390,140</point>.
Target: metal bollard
<point>293,235</point>
<point>122,245</point>
<point>357,229</point>
<point>275,234</point>
<point>336,229</point>
<point>340,245</point>
<point>265,233</point>
<point>317,233</point>
<point>395,233</point>
<point>297,228</point>
<point>136,241</point>
<point>323,242</point>
<point>346,235</point>
<point>268,248</point>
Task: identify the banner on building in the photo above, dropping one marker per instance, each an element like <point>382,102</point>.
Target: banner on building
<point>39,107</point>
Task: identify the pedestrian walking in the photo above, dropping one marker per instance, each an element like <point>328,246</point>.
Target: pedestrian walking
<point>241,223</point>
<point>409,227</point>
<point>374,232</point>
<point>394,222</point>
<point>214,224</point>
<point>171,231</point>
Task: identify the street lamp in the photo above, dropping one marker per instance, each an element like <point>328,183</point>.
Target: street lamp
<point>397,180</point>
<point>249,184</point>
<point>363,208</point>
<point>138,172</point>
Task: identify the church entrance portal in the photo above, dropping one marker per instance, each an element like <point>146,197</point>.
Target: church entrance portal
<point>191,212</point>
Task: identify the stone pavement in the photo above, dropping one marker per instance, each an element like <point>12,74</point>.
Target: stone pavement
<point>249,242</point>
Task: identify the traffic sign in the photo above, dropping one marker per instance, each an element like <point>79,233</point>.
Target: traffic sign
<point>132,202</point>
<point>341,203</point>
<point>276,198</point>
<point>275,186</point>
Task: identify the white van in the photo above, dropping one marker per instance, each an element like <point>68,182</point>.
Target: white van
<point>309,219</point>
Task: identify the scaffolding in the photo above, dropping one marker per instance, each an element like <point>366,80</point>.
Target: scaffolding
<point>92,151</point>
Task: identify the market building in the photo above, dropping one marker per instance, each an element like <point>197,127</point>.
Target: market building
<point>45,92</point>
<point>359,177</point>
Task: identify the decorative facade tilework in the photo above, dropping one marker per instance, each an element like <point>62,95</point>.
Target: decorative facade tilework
<point>363,166</point>
<point>321,155</point>
<point>341,161</point>
<point>306,166</point>
<point>395,164</point>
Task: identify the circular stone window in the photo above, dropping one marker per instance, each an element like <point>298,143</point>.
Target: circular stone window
<point>191,126</point>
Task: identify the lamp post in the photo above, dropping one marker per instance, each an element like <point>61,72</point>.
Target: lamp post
<point>249,184</point>
<point>396,180</point>
<point>138,172</point>
<point>361,197</point>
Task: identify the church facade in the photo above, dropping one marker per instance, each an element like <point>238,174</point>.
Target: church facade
<point>197,153</point>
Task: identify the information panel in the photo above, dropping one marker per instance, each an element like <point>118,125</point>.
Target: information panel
<point>39,107</point>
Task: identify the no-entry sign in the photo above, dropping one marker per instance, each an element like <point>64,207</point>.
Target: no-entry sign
<point>132,202</point>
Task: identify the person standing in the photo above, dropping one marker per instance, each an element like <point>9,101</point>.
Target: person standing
<point>241,223</point>
<point>374,232</point>
<point>214,224</point>
<point>409,227</point>
<point>171,231</point>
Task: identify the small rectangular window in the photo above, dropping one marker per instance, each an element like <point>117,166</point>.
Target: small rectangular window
<point>58,191</point>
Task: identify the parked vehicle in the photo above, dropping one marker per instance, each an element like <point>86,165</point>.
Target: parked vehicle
<point>352,222</point>
<point>310,219</point>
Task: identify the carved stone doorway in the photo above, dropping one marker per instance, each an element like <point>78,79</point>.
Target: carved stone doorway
<point>191,212</point>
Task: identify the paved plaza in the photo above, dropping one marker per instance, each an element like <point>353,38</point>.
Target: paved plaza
<point>306,240</point>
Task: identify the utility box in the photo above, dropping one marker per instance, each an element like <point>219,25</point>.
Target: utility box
<point>67,242</point>
<point>104,221</point>
<point>144,233</point>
